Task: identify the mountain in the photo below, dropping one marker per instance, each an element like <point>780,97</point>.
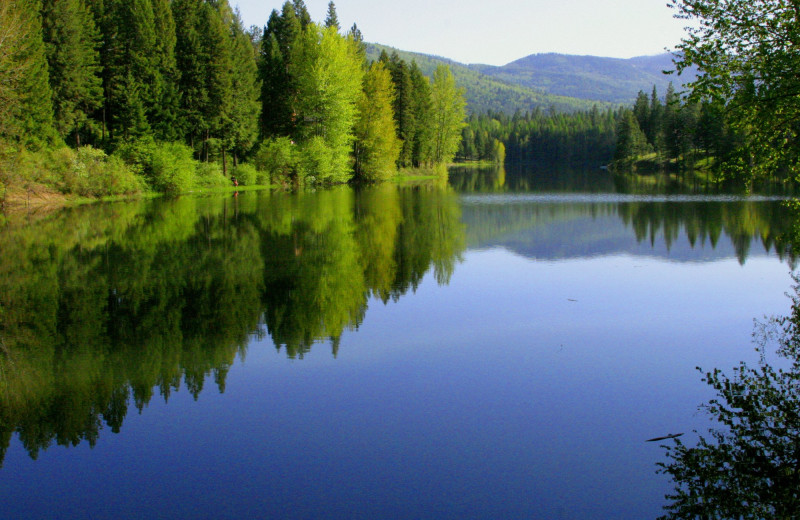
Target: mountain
<point>486,93</point>
<point>611,80</point>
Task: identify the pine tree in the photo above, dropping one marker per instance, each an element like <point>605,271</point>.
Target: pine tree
<point>131,72</point>
<point>331,20</point>
<point>190,72</point>
<point>27,114</point>
<point>72,42</point>
<point>217,78</point>
<point>164,112</point>
<point>26,110</point>
<point>422,113</point>
<point>245,89</point>
<point>278,88</point>
<point>403,111</point>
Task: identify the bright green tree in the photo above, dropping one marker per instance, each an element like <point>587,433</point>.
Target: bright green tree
<point>377,147</point>
<point>448,115</point>
<point>329,73</point>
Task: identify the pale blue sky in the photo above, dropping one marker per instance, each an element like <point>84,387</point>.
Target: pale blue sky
<point>500,31</point>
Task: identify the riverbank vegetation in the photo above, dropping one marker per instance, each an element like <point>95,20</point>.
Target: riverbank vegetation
<point>115,97</point>
<point>739,119</point>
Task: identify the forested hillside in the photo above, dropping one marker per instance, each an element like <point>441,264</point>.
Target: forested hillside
<point>589,77</point>
<point>485,93</point>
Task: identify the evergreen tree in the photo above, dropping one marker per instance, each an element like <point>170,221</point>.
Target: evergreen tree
<point>278,88</point>
<point>403,111</point>
<point>131,66</point>
<point>631,141</point>
<point>331,20</point>
<point>164,117</point>
<point>190,69</point>
<point>215,44</point>
<point>26,108</point>
<point>301,12</point>
<point>422,113</point>
<point>377,147</point>
<point>448,115</point>
<point>72,41</point>
<point>245,89</point>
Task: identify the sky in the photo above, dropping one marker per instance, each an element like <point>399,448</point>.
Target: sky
<point>500,31</point>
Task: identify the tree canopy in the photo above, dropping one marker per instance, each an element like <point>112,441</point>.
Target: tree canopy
<point>748,57</point>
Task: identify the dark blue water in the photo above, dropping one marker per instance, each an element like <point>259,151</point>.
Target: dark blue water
<point>508,361</point>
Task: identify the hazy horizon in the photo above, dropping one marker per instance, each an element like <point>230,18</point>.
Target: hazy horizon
<point>473,32</point>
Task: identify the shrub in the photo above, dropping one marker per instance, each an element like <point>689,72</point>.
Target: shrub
<point>209,175</point>
<point>246,174</point>
<point>277,158</point>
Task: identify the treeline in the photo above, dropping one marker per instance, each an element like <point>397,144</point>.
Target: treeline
<point>544,137</point>
<point>161,86</point>
<point>677,134</point>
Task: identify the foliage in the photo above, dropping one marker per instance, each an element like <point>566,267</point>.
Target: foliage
<point>26,109</point>
<point>171,168</point>
<point>329,73</point>
<point>278,158</point>
<point>247,175</point>
<point>377,147</point>
<point>449,113</point>
<point>748,61</point>
<point>540,137</point>
<point>749,467</point>
<point>143,79</point>
<point>72,41</point>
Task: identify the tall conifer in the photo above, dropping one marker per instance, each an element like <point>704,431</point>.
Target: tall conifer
<point>72,42</point>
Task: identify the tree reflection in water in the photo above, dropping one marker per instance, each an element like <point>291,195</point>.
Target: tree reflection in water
<point>106,306</point>
<point>749,467</point>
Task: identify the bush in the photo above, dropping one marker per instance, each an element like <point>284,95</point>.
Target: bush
<point>209,175</point>
<point>277,158</point>
<point>247,174</point>
<point>95,174</point>
<point>172,168</point>
<point>88,172</point>
<point>167,167</point>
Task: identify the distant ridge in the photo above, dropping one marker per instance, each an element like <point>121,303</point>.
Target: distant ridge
<point>612,80</point>
<point>562,82</point>
<point>485,93</point>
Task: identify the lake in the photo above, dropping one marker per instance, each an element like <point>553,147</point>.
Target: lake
<point>501,346</point>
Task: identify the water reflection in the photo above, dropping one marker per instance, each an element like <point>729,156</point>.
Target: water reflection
<point>748,466</point>
<point>101,307</point>
<point>107,306</point>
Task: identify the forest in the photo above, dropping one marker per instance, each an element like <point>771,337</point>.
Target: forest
<point>105,97</point>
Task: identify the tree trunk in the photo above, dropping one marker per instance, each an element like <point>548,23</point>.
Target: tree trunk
<point>224,163</point>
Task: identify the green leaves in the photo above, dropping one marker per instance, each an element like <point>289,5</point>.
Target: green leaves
<point>749,466</point>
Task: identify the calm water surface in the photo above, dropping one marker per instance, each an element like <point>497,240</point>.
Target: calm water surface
<point>498,348</point>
